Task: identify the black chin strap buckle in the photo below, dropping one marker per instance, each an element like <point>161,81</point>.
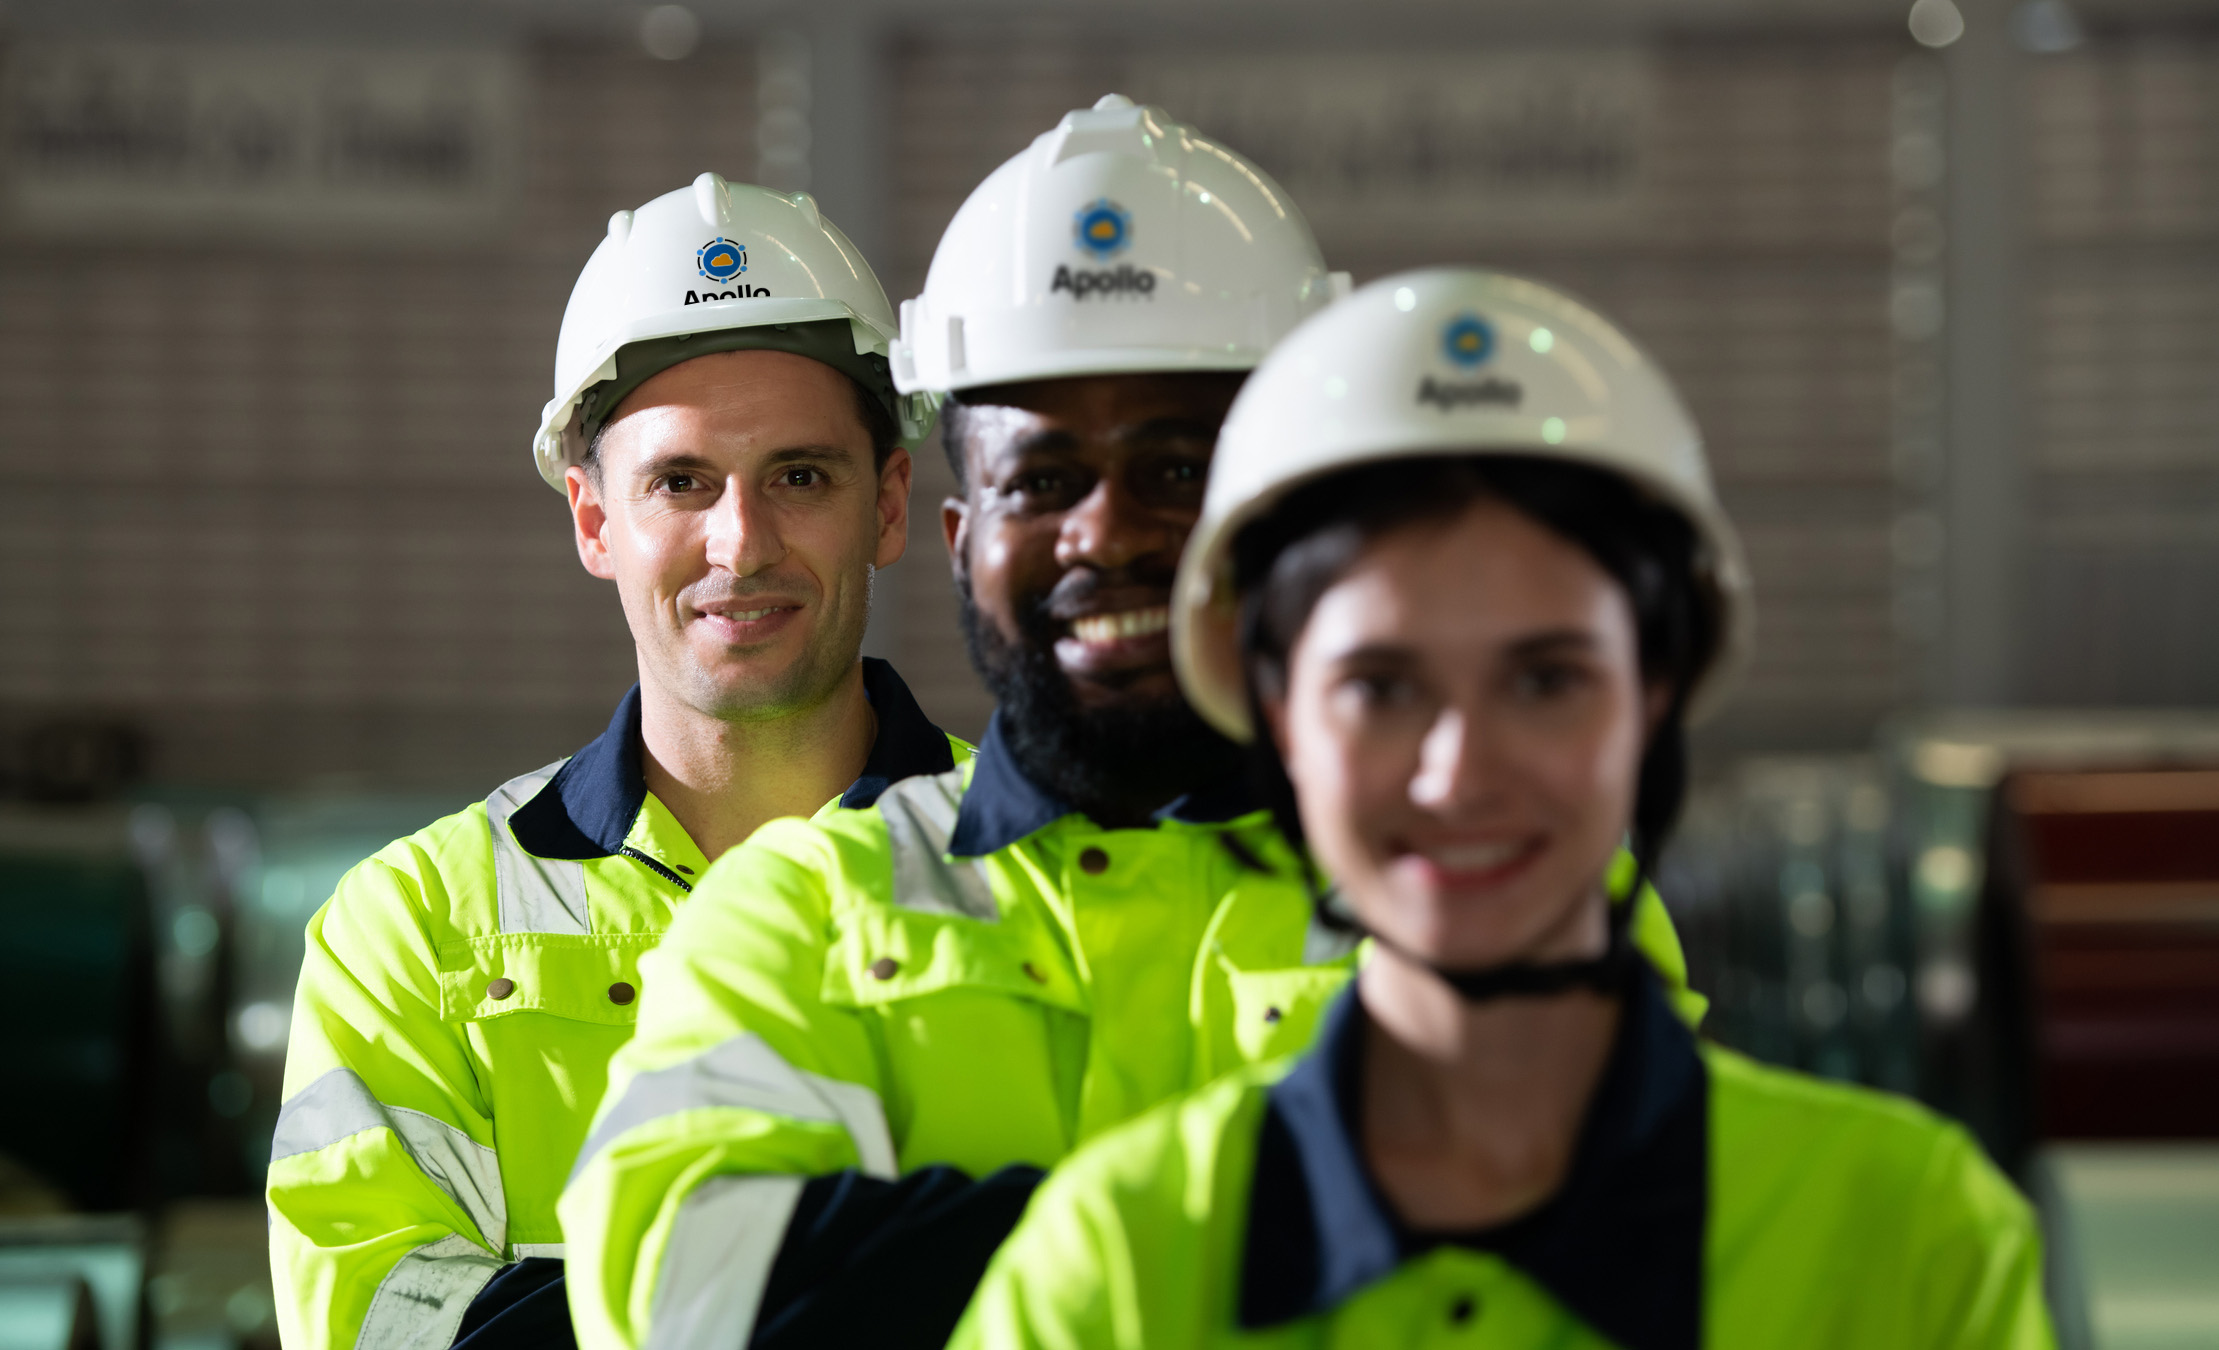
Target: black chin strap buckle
<point>1604,974</point>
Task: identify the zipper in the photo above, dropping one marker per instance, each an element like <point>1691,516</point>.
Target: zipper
<point>682,884</point>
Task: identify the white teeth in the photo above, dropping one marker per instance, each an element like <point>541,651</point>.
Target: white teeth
<point>1131,623</point>
<point>1475,857</point>
<point>750,615</point>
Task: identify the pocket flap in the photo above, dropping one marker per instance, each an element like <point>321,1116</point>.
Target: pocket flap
<point>584,976</point>
<point>884,954</point>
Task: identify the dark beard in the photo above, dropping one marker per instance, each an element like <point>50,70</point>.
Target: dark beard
<point>1118,764</point>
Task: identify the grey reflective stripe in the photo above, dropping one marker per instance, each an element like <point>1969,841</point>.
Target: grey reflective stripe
<point>420,1302</point>
<point>1324,944</point>
<point>744,1072</point>
<point>537,895</point>
<point>717,1261</point>
<point>526,1250</point>
<point>920,819</point>
<point>339,1105</point>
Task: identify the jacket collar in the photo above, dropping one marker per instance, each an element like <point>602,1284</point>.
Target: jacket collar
<point>1003,805</point>
<point>1620,1244</point>
<point>588,807</point>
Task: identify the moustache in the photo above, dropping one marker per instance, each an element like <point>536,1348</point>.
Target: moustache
<point>726,589</point>
<point>1075,592</point>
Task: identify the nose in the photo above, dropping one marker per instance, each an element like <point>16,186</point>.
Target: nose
<point>743,534</point>
<point>1107,530</point>
<point>1452,769</point>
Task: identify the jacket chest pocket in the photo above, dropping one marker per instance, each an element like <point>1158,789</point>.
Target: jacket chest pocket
<point>582,976</point>
<point>980,1034</point>
<point>884,956</point>
<point>1276,1012</point>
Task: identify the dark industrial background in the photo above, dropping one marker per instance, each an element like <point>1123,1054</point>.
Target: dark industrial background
<point>1941,282</point>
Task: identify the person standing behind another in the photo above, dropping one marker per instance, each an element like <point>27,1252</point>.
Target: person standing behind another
<point>1460,577</point>
<point>869,1030</point>
<point>729,440</point>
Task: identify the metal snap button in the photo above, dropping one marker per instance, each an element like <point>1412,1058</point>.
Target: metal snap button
<point>1462,1310</point>
<point>621,993</point>
<point>884,968</point>
<point>501,988</point>
<point>1273,1014</point>
<point>1032,972</point>
<point>1093,862</point>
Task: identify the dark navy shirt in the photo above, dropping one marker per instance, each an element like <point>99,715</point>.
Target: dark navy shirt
<point>1620,1244</point>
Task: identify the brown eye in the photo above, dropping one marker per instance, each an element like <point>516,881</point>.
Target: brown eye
<point>1048,489</point>
<point>1549,680</point>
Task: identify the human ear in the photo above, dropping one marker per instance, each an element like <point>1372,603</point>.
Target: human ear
<point>589,522</point>
<point>893,508</point>
<point>955,525</point>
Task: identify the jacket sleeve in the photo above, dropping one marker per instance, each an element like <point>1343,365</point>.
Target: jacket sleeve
<point>739,1085</point>
<point>886,1263</point>
<point>1127,1245</point>
<point>1976,1260</point>
<point>386,1209</point>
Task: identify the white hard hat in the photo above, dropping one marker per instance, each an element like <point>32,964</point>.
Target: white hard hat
<point>1120,241</point>
<point>759,268</point>
<point>1445,361</point>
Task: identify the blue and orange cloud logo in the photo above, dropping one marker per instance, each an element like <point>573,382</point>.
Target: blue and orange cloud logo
<point>721,260</point>
<point>1103,228</point>
<point>1467,341</point>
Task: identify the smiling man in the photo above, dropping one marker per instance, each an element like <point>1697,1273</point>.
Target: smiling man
<point>868,1033</point>
<point>734,463</point>
<point>870,1030</point>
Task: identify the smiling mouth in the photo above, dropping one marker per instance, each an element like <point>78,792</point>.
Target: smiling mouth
<point>1477,857</point>
<point>748,615</point>
<point>1097,630</point>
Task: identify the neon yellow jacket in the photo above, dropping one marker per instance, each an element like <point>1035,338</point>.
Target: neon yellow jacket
<point>968,975</point>
<point>462,993</point>
<point>1712,1202</point>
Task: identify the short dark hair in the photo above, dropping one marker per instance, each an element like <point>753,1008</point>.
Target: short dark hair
<point>1284,562</point>
<point>878,424</point>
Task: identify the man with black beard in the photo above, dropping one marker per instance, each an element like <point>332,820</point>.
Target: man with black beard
<point>1077,497</point>
<point>867,1031</point>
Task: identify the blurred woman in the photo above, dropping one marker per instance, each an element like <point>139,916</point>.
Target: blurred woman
<point>1460,579</point>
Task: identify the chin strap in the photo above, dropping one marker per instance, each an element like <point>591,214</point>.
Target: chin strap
<point>1604,974</point>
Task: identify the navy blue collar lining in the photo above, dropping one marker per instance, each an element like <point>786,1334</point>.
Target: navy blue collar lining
<point>588,807</point>
<point>1620,1245</point>
<point>1003,805</point>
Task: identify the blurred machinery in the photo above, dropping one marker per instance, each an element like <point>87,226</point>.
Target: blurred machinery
<point>2014,916</point>
<point>155,938</point>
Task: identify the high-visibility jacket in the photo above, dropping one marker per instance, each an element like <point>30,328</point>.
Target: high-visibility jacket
<point>462,993</point>
<point>1711,1202</point>
<point>971,975</point>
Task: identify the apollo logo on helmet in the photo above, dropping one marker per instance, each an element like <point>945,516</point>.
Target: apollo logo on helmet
<point>1468,341</point>
<point>1102,229</point>
<point>720,261</point>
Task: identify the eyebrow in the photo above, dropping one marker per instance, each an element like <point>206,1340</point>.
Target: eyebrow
<point>1554,639</point>
<point>1544,643</point>
<point>1167,429</point>
<point>1057,441</point>
<point>679,461</point>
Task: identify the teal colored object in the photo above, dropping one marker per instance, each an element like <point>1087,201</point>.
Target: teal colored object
<point>77,969</point>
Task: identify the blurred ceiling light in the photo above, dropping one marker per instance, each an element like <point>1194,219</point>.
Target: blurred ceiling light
<point>2047,26</point>
<point>670,32</point>
<point>1936,23</point>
